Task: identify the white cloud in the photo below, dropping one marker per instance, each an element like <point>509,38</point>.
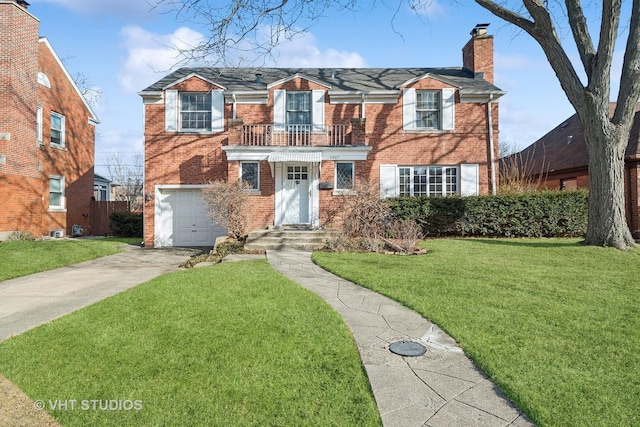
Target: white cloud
<point>151,56</point>
<point>303,52</point>
<point>101,7</point>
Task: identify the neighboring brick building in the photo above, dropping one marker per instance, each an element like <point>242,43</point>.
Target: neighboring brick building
<point>47,133</point>
<point>302,137</point>
<point>559,160</point>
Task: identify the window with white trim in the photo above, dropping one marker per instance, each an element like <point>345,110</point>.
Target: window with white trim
<point>195,111</point>
<point>250,173</point>
<point>428,109</point>
<point>429,181</point>
<point>56,192</point>
<point>345,176</point>
<point>57,129</point>
<point>298,107</point>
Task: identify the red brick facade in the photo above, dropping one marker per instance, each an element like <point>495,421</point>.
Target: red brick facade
<point>26,164</point>
<point>179,158</point>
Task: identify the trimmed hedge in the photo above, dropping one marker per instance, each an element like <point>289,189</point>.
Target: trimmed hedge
<point>125,224</point>
<point>540,214</point>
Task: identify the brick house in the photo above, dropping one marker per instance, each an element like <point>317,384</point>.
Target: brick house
<point>303,137</point>
<point>559,160</point>
<point>47,133</point>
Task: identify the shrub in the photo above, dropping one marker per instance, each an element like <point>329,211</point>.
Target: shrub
<point>228,206</point>
<point>20,235</point>
<point>539,214</point>
<point>125,224</point>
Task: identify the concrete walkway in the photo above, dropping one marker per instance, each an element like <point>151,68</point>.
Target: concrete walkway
<point>30,301</point>
<point>441,388</point>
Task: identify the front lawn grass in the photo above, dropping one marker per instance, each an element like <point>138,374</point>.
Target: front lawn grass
<point>555,324</point>
<point>22,257</point>
<point>231,344</point>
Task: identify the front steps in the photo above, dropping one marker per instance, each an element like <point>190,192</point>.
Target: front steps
<point>286,239</point>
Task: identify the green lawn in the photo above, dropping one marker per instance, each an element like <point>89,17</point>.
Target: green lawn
<point>23,257</point>
<point>230,344</point>
<point>555,324</point>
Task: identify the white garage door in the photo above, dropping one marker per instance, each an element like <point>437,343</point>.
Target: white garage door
<point>182,220</point>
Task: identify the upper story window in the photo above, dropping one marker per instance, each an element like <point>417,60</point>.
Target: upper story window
<point>195,111</point>
<point>57,129</point>
<point>428,110</point>
<point>298,108</point>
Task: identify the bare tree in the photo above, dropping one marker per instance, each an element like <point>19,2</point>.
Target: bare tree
<point>236,25</point>
<point>126,177</point>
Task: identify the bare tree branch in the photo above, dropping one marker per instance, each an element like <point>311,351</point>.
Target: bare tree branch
<point>629,91</point>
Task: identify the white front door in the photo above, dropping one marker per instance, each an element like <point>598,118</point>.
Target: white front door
<point>295,193</point>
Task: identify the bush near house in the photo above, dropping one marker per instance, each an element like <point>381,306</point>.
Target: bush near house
<point>126,224</point>
<point>539,214</point>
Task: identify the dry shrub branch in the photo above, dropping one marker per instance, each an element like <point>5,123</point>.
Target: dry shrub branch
<point>228,206</point>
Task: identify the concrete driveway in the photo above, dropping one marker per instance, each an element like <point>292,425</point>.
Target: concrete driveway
<point>30,301</point>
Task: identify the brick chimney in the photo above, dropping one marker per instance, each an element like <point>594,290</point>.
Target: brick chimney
<point>477,54</point>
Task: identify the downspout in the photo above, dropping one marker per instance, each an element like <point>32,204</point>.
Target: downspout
<point>363,114</point>
<point>491,148</point>
<point>233,97</point>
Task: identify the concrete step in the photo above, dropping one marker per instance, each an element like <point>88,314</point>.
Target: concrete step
<point>286,239</point>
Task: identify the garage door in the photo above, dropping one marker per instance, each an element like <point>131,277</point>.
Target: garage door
<point>182,220</point>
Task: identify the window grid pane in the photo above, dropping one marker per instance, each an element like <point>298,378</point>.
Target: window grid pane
<point>344,176</point>
<point>250,174</point>
<point>404,182</point>
<point>298,108</point>
<point>420,179</point>
<point>451,176</point>
<point>195,111</point>
<point>55,192</point>
<point>428,109</point>
<point>56,129</point>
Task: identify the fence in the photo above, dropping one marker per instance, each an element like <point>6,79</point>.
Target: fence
<point>100,212</point>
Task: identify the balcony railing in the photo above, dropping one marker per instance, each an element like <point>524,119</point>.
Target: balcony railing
<point>296,135</point>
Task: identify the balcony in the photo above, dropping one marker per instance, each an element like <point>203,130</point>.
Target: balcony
<point>334,135</point>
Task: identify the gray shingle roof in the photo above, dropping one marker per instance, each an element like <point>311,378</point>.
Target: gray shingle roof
<point>340,79</point>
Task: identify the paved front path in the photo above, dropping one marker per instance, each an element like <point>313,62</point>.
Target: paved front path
<point>441,388</point>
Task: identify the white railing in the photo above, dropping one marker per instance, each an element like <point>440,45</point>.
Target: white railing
<point>295,135</point>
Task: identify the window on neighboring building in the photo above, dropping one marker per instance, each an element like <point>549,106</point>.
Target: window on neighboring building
<point>57,129</point>
<point>429,181</point>
<point>428,109</point>
<point>345,174</point>
<point>298,108</point>
<point>100,192</point>
<point>195,111</point>
<point>250,172</point>
<point>56,192</point>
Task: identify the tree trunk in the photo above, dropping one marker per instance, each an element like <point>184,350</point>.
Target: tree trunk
<point>607,225</point>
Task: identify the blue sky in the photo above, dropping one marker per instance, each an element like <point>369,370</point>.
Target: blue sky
<point>121,47</point>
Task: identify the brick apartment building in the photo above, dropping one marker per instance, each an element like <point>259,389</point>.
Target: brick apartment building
<point>47,133</point>
<point>304,137</point>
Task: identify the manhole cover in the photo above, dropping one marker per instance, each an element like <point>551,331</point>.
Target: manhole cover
<point>407,348</point>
